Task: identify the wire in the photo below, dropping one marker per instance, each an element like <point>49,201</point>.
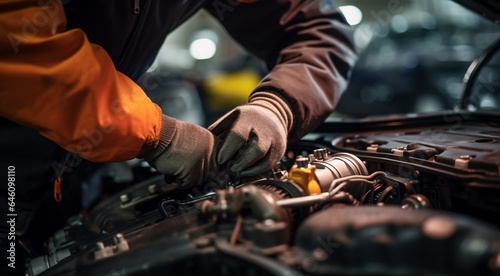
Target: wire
<point>236,230</point>
<point>473,71</point>
<point>270,266</point>
<point>339,183</point>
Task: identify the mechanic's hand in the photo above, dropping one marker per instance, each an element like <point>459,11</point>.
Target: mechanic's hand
<point>254,135</point>
<point>184,154</point>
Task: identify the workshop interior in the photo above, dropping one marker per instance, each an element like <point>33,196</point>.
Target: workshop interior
<point>403,178</point>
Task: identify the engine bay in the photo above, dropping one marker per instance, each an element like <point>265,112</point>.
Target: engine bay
<point>410,195</point>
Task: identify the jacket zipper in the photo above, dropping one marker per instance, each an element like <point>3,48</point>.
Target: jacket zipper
<point>137,7</point>
<point>58,176</point>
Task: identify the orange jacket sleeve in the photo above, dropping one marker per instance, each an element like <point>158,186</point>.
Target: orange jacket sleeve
<point>67,88</point>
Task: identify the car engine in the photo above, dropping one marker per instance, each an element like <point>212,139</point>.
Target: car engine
<point>409,195</point>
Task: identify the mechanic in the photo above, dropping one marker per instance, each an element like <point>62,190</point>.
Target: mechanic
<point>69,71</point>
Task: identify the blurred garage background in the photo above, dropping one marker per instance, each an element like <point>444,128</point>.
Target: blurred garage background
<point>413,56</point>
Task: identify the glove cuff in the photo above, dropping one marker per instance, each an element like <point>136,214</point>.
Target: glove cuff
<point>274,104</point>
<point>167,132</point>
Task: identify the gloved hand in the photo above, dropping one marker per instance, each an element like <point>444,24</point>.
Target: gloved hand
<point>254,135</point>
<point>184,153</point>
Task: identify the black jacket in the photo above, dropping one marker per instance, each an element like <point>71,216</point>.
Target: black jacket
<point>307,45</point>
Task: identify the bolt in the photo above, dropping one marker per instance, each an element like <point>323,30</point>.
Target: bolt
<point>152,189</point>
<point>268,222</point>
<point>416,174</point>
<point>124,198</point>
<point>99,245</point>
<point>121,243</point>
<point>465,157</point>
<point>302,162</point>
<point>320,154</point>
<point>320,254</point>
<point>311,157</point>
<point>280,175</point>
<point>119,238</point>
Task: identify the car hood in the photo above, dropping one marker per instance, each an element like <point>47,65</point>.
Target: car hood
<point>487,8</point>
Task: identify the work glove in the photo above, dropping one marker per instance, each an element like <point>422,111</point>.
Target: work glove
<point>184,155</point>
<point>254,135</point>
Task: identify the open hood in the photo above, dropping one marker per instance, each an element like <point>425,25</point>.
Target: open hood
<point>488,8</point>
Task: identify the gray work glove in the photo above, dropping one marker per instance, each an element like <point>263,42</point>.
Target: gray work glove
<point>254,135</point>
<point>183,153</point>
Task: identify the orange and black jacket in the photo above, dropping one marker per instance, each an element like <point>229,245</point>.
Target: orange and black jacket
<point>68,69</point>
